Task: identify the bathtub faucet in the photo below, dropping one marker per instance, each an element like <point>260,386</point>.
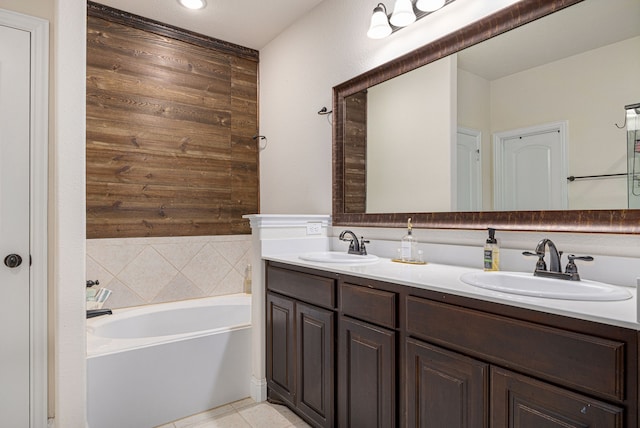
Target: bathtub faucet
<point>92,313</point>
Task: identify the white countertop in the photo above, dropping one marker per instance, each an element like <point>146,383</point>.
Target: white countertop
<point>445,278</point>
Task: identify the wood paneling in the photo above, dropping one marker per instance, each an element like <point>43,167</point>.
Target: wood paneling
<point>355,153</point>
<point>170,120</point>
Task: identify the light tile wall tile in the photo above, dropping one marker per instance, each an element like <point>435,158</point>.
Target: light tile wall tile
<point>143,271</point>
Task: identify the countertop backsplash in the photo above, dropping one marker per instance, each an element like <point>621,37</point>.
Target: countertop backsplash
<point>464,248</point>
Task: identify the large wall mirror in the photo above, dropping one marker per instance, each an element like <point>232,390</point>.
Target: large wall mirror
<point>516,121</point>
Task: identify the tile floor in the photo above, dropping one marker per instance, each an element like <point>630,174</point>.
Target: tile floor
<point>242,414</point>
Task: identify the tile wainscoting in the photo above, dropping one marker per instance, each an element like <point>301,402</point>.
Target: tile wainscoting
<point>143,271</point>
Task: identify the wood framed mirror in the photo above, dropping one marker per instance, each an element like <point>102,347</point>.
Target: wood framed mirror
<point>348,207</point>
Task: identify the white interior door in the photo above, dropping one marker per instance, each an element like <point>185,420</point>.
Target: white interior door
<point>469,170</point>
<point>530,171</point>
<point>14,227</point>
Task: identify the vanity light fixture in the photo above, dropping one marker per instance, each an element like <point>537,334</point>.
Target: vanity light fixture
<point>405,12</point>
<point>429,5</point>
<point>193,4</point>
<point>379,28</point>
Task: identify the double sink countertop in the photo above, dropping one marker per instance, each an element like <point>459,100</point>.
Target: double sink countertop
<point>446,279</point>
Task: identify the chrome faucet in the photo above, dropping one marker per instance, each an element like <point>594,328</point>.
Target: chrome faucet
<point>555,256</point>
<point>355,246</point>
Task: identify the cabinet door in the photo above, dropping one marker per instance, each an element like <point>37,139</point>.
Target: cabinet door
<point>445,389</point>
<point>366,375</point>
<point>280,347</point>
<point>314,359</point>
<point>522,402</point>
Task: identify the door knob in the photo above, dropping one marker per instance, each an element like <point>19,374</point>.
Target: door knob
<point>13,260</point>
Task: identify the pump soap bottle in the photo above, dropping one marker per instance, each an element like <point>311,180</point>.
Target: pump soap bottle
<point>408,245</point>
<point>491,252</point>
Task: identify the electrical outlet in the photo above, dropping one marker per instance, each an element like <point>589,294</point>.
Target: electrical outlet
<point>314,228</point>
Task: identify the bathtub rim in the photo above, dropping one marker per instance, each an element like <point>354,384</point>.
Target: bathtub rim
<point>99,346</point>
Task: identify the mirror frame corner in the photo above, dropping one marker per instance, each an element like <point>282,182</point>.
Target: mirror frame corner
<point>581,221</point>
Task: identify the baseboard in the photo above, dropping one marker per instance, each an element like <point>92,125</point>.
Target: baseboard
<point>258,389</point>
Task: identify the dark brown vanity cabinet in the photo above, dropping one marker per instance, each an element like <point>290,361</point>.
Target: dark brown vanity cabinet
<point>452,390</point>
<point>367,371</point>
<point>556,378</point>
<point>522,402</point>
<point>346,351</point>
<point>445,389</point>
<point>300,343</point>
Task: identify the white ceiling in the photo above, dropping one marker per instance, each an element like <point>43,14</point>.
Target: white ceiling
<point>582,27</point>
<point>254,23</point>
<point>249,23</point>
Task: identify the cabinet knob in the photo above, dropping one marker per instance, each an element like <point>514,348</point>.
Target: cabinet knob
<point>13,260</point>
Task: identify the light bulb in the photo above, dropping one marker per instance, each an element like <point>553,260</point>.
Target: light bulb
<point>379,27</point>
<point>403,13</point>
<point>429,5</point>
<point>193,4</point>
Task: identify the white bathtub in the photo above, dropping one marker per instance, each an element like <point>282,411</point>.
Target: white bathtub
<point>150,365</point>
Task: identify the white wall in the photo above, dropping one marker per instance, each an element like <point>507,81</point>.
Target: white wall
<point>39,8</point>
<point>595,145</point>
<point>297,73</point>
<point>67,18</point>
<point>474,112</point>
<point>67,198</point>
<point>409,141</point>
<point>537,96</point>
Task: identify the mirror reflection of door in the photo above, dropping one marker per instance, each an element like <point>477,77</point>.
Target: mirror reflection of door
<point>14,226</point>
<point>469,170</point>
<point>530,168</point>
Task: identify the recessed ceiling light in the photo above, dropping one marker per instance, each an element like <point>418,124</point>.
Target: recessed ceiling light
<point>193,4</point>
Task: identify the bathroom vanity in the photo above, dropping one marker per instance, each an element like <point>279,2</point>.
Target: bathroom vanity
<point>347,348</point>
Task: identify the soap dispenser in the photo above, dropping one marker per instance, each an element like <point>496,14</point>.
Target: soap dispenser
<point>409,245</point>
<point>491,252</point>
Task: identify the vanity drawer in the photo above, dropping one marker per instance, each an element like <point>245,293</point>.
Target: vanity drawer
<point>580,361</point>
<point>369,304</point>
<point>309,288</point>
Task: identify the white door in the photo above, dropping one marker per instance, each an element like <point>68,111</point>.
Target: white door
<point>469,170</point>
<point>14,226</point>
<point>530,170</point>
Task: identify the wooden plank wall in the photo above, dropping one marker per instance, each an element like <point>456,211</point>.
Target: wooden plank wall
<point>170,120</point>
<point>355,153</point>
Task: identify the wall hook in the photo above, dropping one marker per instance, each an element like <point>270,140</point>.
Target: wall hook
<point>324,111</point>
<point>261,137</point>
<point>635,107</point>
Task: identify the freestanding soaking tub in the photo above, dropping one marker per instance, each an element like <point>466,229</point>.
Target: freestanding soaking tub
<point>150,365</point>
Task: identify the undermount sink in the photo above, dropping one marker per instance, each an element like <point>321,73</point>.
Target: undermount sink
<point>339,257</point>
<point>527,284</point>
